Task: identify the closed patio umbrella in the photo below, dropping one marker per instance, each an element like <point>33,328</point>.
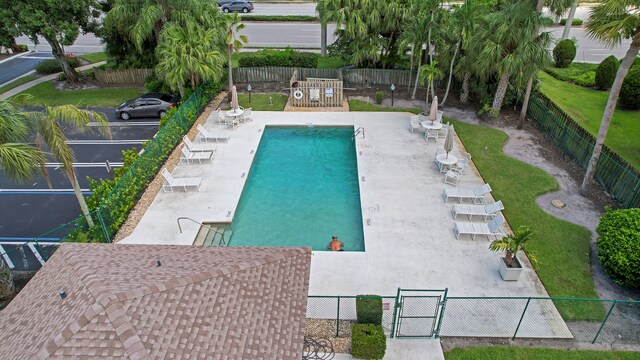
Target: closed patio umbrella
<point>234,98</point>
<point>433,114</point>
<point>448,141</point>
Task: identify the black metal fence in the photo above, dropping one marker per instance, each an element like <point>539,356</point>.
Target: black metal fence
<point>617,176</point>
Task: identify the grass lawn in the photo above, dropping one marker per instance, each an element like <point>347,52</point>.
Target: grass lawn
<point>516,353</point>
<point>586,107</point>
<point>562,248</point>
<point>324,62</point>
<point>260,102</point>
<point>583,74</point>
<point>95,57</point>
<point>109,97</point>
<point>16,83</point>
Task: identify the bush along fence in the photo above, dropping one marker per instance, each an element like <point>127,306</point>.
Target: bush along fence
<point>349,76</point>
<point>617,176</point>
<point>113,199</point>
<point>433,314</point>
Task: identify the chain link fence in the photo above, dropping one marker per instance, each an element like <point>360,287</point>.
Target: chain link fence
<point>339,312</point>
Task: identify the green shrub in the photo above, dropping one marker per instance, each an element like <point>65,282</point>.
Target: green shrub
<point>575,22</point>
<point>619,245</point>
<point>287,18</point>
<point>369,309</point>
<point>547,21</point>
<point>52,66</point>
<point>153,84</point>
<point>379,97</point>
<point>630,92</point>
<point>368,341</point>
<point>282,58</point>
<point>583,74</point>
<point>19,48</point>
<point>606,72</point>
<point>564,53</point>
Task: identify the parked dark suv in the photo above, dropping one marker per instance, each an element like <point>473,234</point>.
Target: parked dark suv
<point>238,5</point>
<point>147,105</point>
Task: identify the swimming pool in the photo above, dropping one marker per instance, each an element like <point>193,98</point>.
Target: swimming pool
<point>302,189</point>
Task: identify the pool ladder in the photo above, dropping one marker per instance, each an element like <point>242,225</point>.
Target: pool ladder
<point>223,241</point>
<point>358,131</point>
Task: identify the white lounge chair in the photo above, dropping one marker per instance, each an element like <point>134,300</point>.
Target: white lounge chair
<point>487,212</point>
<point>206,135</point>
<point>414,123</point>
<point>197,147</point>
<point>476,194</point>
<point>173,182</point>
<point>187,156</point>
<point>473,229</point>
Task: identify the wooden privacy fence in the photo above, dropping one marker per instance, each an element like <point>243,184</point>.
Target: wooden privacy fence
<point>349,76</point>
<point>315,92</point>
<point>124,76</point>
<point>616,175</point>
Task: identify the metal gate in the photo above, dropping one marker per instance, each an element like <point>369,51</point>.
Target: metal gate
<point>418,313</point>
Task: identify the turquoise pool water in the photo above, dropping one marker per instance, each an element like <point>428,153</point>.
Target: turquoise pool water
<point>301,190</point>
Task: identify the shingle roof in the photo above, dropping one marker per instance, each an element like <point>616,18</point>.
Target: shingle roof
<point>201,303</point>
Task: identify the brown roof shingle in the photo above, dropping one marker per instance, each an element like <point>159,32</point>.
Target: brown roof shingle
<point>201,303</point>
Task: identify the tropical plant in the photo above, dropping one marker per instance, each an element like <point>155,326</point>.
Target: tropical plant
<point>569,21</point>
<point>606,72</point>
<point>564,52</point>
<point>58,22</point>
<point>630,90</point>
<point>188,53</point>
<point>415,35</point>
<point>619,245</point>
<point>513,243</point>
<point>234,41</point>
<point>558,7</point>
<point>610,22</point>
<point>429,73</point>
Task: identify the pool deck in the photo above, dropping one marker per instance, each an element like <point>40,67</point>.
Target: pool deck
<point>408,228</point>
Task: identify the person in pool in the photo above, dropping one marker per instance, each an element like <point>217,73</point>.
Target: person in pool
<point>335,244</point>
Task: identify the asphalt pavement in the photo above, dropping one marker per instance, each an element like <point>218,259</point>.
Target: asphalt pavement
<point>32,208</point>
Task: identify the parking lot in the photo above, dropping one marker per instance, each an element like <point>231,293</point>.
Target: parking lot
<point>32,209</point>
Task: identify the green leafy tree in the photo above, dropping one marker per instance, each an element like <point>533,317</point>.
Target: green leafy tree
<point>234,41</point>
<point>610,22</point>
<point>430,73</point>
<point>188,53</point>
<point>58,22</point>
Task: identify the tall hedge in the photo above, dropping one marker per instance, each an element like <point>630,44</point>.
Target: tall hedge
<point>369,309</point>
<point>606,72</point>
<point>630,91</point>
<point>564,53</point>
<point>282,58</point>
<point>619,245</point>
<point>368,341</point>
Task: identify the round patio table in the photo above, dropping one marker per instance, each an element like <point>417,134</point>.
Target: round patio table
<point>235,112</point>
<point>446,162</point>
<point>431,125</point>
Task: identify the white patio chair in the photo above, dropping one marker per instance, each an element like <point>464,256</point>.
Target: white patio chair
<point>232,121</point>
<point>246,115</point>
<point>442,133</point>
<point>439,150</point>
<point>473,229</point>
<point>188,157</point>
<point>221,117</point>
<point>414,123</point>
<point>173,182</point>
<point>452,178</point>
<point>474,194</point>
<point>430,134</point>
<point>197,147</point>
<point>439,116</point>
<point>206,135</point>
<point>462,165</point>
<point>487,212</point>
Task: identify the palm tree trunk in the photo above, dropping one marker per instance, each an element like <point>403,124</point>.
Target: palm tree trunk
<point>525,102</point>
<point>230,52</point>
<point>567,25</point>
<point>415,85</point>
<point>500,93</point>
<point>464,95</point>
<point>323,39</point>
<point>411,70</point>
<point>57,51</point>
<point>78,192</point>
<point>539,6</point>
<point>453,60</point>
<point>608,112</point>
<point>429,40</point>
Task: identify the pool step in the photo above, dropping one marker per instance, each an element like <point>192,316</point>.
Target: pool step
<point>209,235</point>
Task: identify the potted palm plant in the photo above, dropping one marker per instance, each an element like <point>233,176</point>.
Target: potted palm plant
<point>510,267</point>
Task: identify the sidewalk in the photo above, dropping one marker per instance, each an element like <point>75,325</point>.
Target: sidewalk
<point>412,349</point>
<point>23,87</point>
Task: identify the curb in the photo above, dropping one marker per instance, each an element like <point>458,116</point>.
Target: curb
<point>19,77</point>
<point>15,56</point>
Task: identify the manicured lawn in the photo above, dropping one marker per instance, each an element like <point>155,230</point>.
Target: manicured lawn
<point>16,83</point>
<point>95,57</point>
<point>583,74</point>
<point>562,248</point>
<point>515,353</point>
<point>586,107</point>
<point>260,102</point>
<point>108,97</point>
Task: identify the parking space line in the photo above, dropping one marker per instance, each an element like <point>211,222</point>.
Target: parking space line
<point>36,253</point>
<point>43,191</point>
<point>126,123</point>
<point>86,165</point>
<point>6,258</point>
<point>105,142</point>
<point>23,240</point>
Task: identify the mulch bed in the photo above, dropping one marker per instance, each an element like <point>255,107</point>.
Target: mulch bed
<point>326,328</point>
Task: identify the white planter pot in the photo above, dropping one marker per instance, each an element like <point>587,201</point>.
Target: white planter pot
<point>509,274</point>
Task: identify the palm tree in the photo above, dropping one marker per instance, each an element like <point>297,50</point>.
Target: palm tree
<point>234,41</point>
<point>567,25</point>
<point>188,53</point>
<point>611,22</point>
<point>48,124</point>
<point>430,73</point>
<point>513,243</point>
<point>415,34</point>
